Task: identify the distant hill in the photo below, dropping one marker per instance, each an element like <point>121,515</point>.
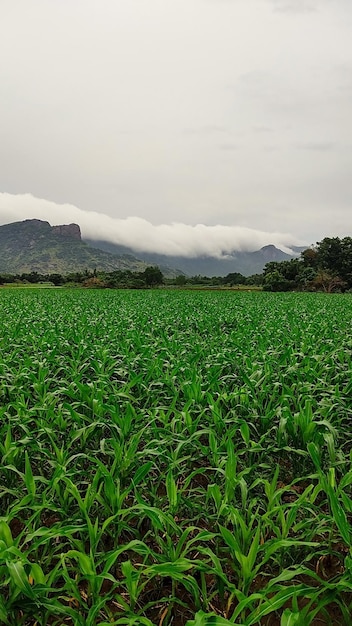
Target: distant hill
<point>36,246</point>
<point>246,263</point>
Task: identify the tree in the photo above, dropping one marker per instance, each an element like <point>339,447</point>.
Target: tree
<point>275,281</point>
<point>327,282</point>
<point>235,278</point>
<point>56,279</point>
<point>330,254</point>
<point>152,276</point>
<point>94,282</point>
<point>306,275</point>
<point>180,280</point>
<point>282,275</point>
<point>33,277</point>
<point>335,256</point>
<point>254,279</point>
<point>310,257</point>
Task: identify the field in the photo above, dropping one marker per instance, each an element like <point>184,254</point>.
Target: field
<point>172,458</point>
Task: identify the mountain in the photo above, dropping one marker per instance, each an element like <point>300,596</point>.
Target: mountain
<point>246,263</point>
<point>36,246</point>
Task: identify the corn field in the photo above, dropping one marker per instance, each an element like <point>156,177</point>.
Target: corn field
<point>175,458</point>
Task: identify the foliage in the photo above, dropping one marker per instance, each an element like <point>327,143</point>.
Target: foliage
<point>326,281</point>
<point>275,281</point>
<point>180,280</point>
<point>335,255</point>
<point>234,278</point>
<point>33,246</point>
<point>328,267</point>
<point>152,276</point>
<point>121,279</point>
<point>175,457</point>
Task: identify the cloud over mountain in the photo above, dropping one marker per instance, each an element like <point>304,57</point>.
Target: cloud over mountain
<point>175,239</point>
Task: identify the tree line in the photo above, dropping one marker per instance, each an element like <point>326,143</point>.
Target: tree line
<point>150,277</point>
<point>324,267</point>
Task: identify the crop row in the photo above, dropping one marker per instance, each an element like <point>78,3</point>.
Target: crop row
<point>175,458</point>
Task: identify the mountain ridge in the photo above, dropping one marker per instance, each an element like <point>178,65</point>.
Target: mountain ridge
<point>246,263</point>
<point>34,245</point>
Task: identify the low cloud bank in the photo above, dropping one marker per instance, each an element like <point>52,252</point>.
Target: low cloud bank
<point>173,239</point>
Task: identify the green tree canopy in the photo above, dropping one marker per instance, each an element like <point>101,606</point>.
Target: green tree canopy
<point>153,276</point>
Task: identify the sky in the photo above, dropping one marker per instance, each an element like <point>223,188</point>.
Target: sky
<point>182,126</point>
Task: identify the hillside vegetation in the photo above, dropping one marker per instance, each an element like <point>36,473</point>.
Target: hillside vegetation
<point>35,246</point>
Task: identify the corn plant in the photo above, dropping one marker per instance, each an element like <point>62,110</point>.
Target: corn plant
<point>175,457</point>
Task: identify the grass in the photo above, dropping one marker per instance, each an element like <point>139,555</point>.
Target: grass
<point>175,458</point>
<point>42,285</point>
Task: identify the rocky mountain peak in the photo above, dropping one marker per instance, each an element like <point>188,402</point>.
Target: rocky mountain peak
<point>67,230</point>
<point>34,245</point>
<point>271,253</point>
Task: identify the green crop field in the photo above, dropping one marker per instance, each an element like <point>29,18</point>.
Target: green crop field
<point>172,458</point>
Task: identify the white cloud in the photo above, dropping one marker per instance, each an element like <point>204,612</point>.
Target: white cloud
<point>141,235</point>
<point>188,111</point>
<point>295,6</point>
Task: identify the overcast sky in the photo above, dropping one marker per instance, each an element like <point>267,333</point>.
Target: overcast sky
<point>231,113</point>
